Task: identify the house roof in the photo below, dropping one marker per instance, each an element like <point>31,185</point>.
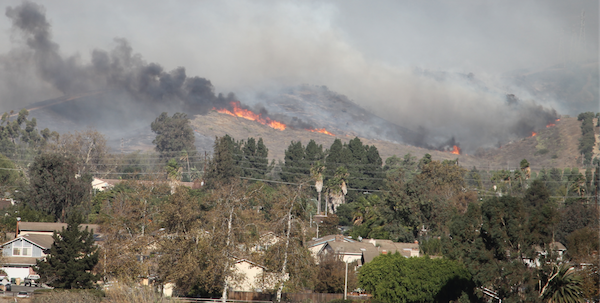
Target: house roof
<point>325,239</point>
<point>114,182</point>
<point>51,227</point>
<point>350,247</point>
<point>43,241</point>
<point>248,261</point>
<point>557,246</point>
<point>13,261</point>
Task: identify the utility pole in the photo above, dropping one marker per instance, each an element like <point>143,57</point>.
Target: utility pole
<point>346,282</point>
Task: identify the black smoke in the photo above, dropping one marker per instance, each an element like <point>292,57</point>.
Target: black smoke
<point>119,70</point>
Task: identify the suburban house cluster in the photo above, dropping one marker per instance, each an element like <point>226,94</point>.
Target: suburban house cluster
<point>31,239</point>
<point>28,244</point>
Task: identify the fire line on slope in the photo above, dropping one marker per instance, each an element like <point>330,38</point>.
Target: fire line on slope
<point>238,111</point>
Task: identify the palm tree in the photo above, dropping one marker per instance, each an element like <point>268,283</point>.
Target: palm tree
<point>316,172</point>
<point>563,286</point>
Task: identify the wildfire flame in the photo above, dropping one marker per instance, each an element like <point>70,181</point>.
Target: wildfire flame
<point>322,130</point>
<point>238,111</point>
<point>455,150</point>
<point>552,124</point>
<point>533,134</point>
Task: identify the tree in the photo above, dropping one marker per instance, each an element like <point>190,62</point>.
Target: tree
<point>71,258</point>
<point>173,134</point>
<point>562,285</point>
<point>8,172</point>
<point>331,275</point>
<point>394,278</point>
<point>295,163</point>
<point>254,163</point>
<point>88,147</point>
<point>223,166</point>
<point>54,185</point>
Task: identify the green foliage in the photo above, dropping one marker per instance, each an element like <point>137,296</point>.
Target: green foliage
<point>331,275</point>
<point>394,278</point>
<point>562,285</point>
<point>8,172</point>
<point>21,133</point>
<point>493,239</point>
<point>588,139</point>
<point>254,163</point>
<point>9,215</point>
<point>71,258</point>
<point>295,165</point>
<point>173,134</point>
<point>223,166</point>
<point>54,186</point>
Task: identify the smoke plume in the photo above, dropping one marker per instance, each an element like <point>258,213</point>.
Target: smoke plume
<point>367,53</point>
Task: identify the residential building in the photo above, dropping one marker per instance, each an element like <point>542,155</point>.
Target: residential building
<point>33,238</point>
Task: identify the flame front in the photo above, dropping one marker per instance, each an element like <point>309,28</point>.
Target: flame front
<point>455,150</point>
<point>533,134</point>
<point>322,130</point>
<point>238,111</point>
<point>552,124</point>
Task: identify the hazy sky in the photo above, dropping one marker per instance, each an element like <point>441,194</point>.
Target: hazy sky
<point>368,51</point>
<point>237,43</point>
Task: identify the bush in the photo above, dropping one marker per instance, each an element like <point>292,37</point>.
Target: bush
<point>68,296</point>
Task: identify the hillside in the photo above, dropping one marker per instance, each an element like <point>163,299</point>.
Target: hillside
<point>555,146</point>
<point>216,124</point>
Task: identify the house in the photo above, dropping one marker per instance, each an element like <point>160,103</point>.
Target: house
<point>265,241</point>
<point>107,184</point>
<point>21,253</point>
<point>367,250</point>
<point>32,238</point>
<point>555,247</point>
<point>317,244</point>
<point>252,277</point>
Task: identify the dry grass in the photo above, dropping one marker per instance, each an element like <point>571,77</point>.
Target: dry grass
<point>64,296</point>
<point>125,294</point>
<point>119,293</point>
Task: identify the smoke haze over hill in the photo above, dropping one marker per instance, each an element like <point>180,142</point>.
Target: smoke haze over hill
<point>438,69</point>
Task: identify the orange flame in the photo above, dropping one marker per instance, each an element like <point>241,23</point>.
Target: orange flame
<point>550,125</point>
<point>224,111</point>
<point>238,111</point>
<point>455,150</point>
<point>557,119</point>
<point>322,130</point>
<point>533,134</point>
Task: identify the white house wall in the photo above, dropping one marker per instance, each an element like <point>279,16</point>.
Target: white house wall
<point>16,272</point>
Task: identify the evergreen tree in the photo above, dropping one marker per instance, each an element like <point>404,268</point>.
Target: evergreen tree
<point>54,186</point>
<point>295,165</point>
<point>223,166</point>
<point>173,134</point>
<point>314,152</point>
<point>255,163</point>
<point>71,258</point>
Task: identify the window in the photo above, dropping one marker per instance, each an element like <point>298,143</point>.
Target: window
<point>22,248</point>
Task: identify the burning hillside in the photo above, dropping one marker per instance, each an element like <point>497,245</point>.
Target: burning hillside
<point>236,110</point>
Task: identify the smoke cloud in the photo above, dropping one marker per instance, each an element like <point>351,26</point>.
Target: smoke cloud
<point>441,70</point>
